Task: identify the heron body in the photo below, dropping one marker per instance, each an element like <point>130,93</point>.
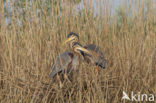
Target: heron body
<point>65,62</point>
<point>68,60</point>
<point>97,56</point>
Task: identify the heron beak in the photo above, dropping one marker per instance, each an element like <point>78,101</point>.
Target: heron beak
<point>84,50</point>
<point>68,40</point>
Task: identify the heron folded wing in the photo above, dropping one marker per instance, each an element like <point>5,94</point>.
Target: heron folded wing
<point>61,63</point>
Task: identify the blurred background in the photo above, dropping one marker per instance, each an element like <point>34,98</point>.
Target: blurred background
<point>98,8</point>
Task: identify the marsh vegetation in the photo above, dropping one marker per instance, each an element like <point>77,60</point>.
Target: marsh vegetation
<point>31,41</point>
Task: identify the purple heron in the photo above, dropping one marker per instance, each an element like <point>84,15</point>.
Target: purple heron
<point>68,60</point>
<point>95,55</point>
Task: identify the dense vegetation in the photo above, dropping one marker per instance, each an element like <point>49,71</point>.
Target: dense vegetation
<point>31,41</point>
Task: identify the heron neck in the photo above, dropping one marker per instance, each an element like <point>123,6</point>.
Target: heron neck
<point>72,43</point>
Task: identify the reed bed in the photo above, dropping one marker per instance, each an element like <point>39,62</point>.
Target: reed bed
<point>29,48</point>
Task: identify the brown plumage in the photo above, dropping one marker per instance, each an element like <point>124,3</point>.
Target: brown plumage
<point>95,56</point>
<point>64,63</point>
<point>68,60</point>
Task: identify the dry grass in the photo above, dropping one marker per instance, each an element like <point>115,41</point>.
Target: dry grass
<point>27,53</point>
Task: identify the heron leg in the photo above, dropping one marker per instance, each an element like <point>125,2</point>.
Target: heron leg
<point>59,79</point>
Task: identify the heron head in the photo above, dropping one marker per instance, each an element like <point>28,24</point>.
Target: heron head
<point>77,47</point>
<point>72,37</point>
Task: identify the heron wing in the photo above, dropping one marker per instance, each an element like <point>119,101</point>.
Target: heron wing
<point>75,61</point>
<point>97,57</point>
<point>62,63</point>
<point>95,49</point>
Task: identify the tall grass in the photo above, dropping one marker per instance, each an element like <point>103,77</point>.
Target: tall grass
<point>29,49</point>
